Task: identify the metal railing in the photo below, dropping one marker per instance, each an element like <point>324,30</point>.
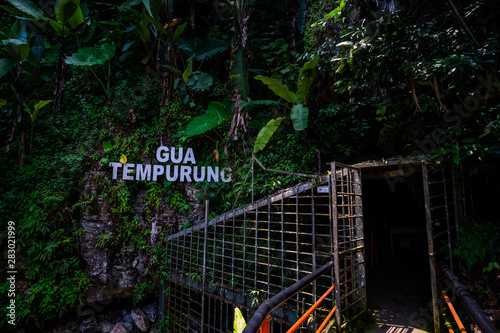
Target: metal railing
<point>474,310</point>
<point>454,314</point>
<point>255,323</point>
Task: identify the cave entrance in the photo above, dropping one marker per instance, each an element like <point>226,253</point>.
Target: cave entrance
<point>411,215</point>
<point>398,283</point>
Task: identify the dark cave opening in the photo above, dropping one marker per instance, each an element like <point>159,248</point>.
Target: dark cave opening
<point>396,249</point>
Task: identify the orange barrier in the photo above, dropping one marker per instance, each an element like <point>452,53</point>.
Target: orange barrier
<point>448,325</point>
<point>266,326</point>
<point>326,320</point>
<point>306,315</point>
<point>454,313</point>
<point>255,324</point>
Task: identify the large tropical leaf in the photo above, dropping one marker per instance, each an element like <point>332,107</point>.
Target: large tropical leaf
<point>5,66</point>
<point>217,109</point>
<point>153,7</point>
<point>172,69</point>
<point>336,11</point>
<point>76,19</point>
<point>143,28</point>
<point>279,89</point>
<point>108,51</point>
<point>266,133</point>
<point>188,46</point>
<point>27,7</point>
<point>299,116</point>
<point>17,49</point>
<point>87,56</point>
<point>66,9</point>
<point>14,41</point>
<point>201,124</point>
<point>201,49</point>
<point>188,71</point>
<point>200,81</point>
<point>209,47</point>
<point>178,31</point>
<point>155,25</point>
<point>19,29</point>
<point>306,78</point>
<point>37,48</point>
<point>36,110</point>
<point>59,29</point>
<point>257,102</point>
<point>239,74</point>
<point>216,114</point>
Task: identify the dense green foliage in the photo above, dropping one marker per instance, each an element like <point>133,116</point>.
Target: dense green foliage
<point>125,78</point>
<point>478,246</point>
<point>391,82</point>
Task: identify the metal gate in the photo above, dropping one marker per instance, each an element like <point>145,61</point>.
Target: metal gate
<point>444,211</point>
<point>246,256</point>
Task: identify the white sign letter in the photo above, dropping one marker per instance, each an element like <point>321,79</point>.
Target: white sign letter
<point>143,172</point>
<point>189,156</point>
<point>185,173</point>
<point>222,174</point>
<point>126,170</point>
<point>115,168</point>
<point>162,157</point>
<point>195,174</point>
<point>167,173</point>
<point>211,174</point>
<point>157,171</point>
<point>179,157</point>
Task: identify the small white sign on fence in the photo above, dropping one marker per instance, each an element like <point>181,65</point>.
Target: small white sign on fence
<point>323,189</point>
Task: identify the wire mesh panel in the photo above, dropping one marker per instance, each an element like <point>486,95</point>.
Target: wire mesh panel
<point>348,241</point>
<point>246,256</point>
<point>444,207</point>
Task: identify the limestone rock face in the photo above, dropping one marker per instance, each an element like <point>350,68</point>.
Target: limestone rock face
<point>119,328</point>
<point>122,277</point>
<point>105,326</point>
<point>127,320</point>
<point>93,221</point>
<point>198,209</point>
<point>96,293</point>
<point>140,320</point>
<point>97,318</point>
<point>88,325</point>
<point>120,223</point>
<point>151,311</point>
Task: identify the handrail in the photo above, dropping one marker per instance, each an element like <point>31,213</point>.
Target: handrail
<point>308,312</point>
<point>474,310</point>
<point>267,307</point>
<point>448,325</point>
<point>454,313</point>
<point>323,324</point>
<point>320,329</point>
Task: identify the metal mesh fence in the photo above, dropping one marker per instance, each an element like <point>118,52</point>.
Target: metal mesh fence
<point>246,256</point>
<point>445,209</point>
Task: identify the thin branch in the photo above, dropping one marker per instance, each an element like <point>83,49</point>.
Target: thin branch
<point>462,23</point>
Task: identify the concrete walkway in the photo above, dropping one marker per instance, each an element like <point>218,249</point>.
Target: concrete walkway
<point>399,297</point>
